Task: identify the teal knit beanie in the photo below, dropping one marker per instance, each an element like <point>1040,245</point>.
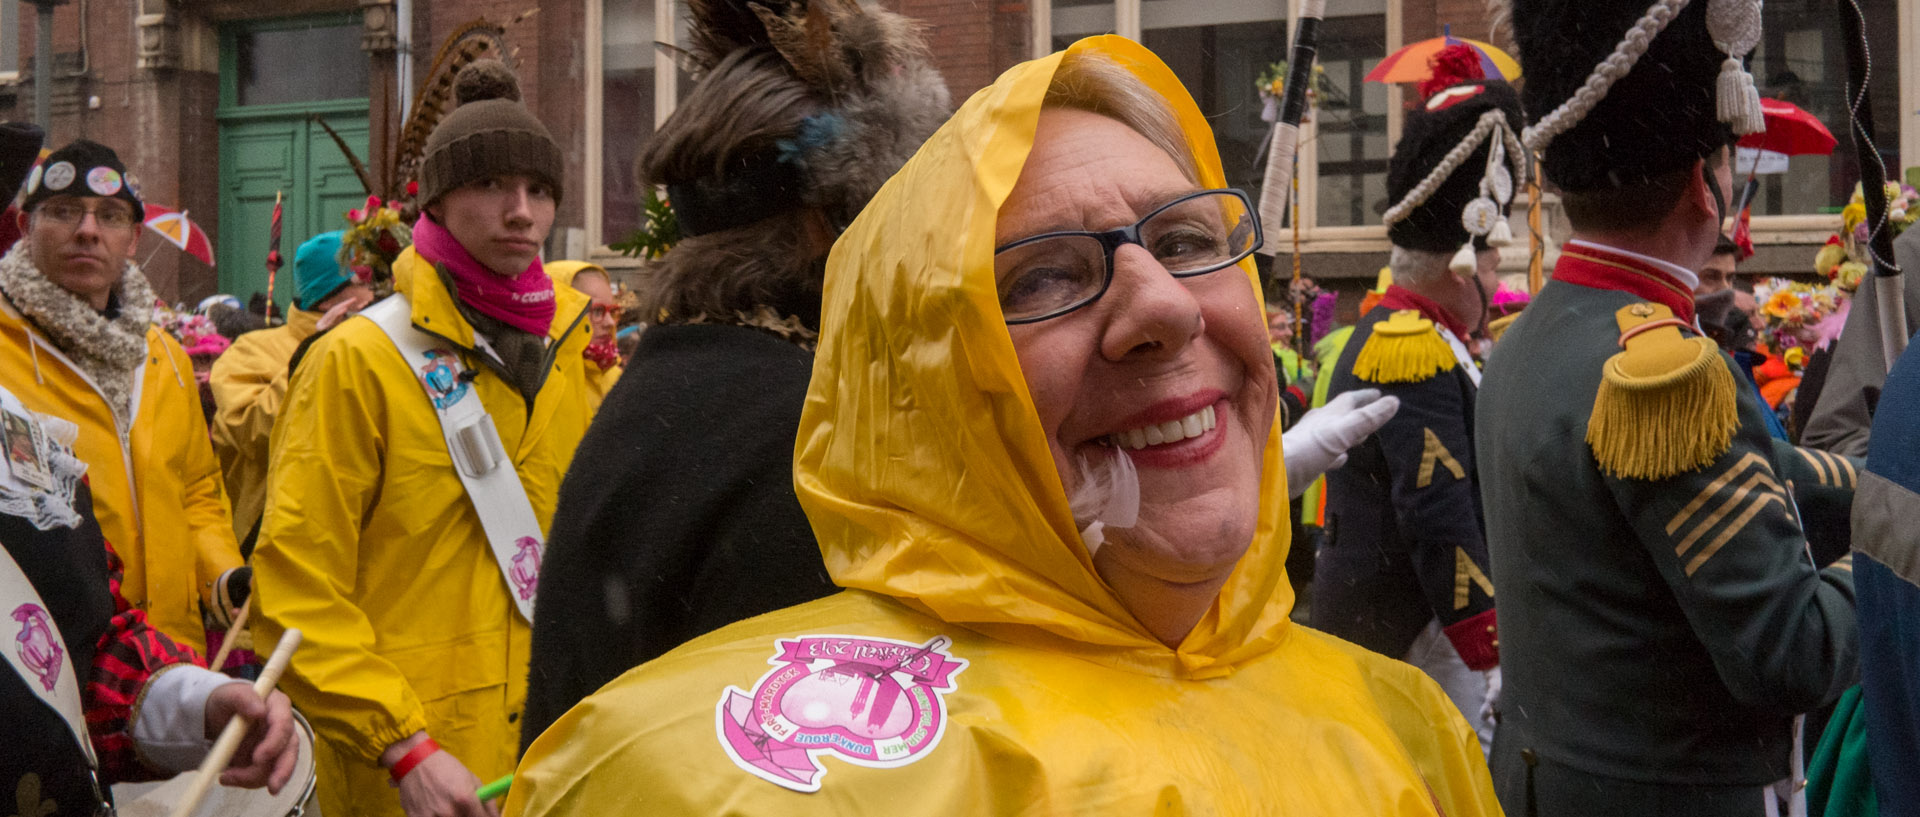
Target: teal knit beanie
<point>317,273</point>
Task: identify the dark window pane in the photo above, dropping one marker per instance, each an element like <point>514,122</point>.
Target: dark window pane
<point>1352,120</point>
<point>1803,60</point>
<point>306,64</point>
<point>626,111</point>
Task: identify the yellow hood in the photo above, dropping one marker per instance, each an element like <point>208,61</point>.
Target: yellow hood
<point>563,272</point>
<point>921,461</point>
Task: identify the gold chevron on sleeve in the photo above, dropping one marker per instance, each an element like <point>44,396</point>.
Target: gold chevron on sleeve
<point>1466,575</point>
<point>1755,490</point>
<point>1845,564</point>
<point>1843,472</point>
<point>1818,463</point>
<point>1436,452</point>
<point>1719,482</point>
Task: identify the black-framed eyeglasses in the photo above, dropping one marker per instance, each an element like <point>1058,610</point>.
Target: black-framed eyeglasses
<point>108,213</point>
<point>1051,274</point>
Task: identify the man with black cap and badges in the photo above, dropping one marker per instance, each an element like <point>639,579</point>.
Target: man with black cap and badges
<point>1664,624</point>
<point>413,473</point>
<point>1413,583</point>
<point>77,341</point>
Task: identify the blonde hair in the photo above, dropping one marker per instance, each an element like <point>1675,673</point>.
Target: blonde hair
<point>1096,84</point>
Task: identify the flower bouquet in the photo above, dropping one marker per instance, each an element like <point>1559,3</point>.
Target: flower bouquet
<point>376,235</point>
<point>1843,260</point>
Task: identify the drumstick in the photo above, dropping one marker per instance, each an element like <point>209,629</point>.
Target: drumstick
<point>229,740</point>
<point>226,644</point>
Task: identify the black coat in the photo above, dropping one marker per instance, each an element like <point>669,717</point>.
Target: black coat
<point>677,516</point>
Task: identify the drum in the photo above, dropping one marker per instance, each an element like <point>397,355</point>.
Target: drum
<point>294,800</point>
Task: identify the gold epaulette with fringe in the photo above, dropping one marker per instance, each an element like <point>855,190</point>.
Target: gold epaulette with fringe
<point>1667,403</point>
<point>1404,348</point>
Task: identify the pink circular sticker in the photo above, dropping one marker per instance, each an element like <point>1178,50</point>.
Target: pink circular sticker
<point>103,181</point>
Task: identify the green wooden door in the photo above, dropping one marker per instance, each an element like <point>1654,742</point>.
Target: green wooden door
<point>269,144</point>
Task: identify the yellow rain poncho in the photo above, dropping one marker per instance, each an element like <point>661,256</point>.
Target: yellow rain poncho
<point>371,546</point>
<point>249,382</point>
<point>978,663</point>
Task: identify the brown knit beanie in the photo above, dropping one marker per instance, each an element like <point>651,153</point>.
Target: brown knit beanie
<point>488,134</point>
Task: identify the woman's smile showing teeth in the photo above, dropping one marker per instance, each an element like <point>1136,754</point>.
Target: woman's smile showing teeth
<point>1172,431</point>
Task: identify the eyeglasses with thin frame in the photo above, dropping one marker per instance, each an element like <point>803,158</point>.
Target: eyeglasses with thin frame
<point>1051,274</point>
<point>114,216</point>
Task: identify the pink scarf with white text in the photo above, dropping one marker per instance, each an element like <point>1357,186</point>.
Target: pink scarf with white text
<point>524,302</point>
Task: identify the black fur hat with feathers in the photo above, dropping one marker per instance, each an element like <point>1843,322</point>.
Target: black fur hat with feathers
<point>873,97</point>
<point>1431,132</point>
<point>1658,118</point>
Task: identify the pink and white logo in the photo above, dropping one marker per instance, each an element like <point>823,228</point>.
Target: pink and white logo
<point>526,567</point>
<point>872,702</point>
<point>37,647</point>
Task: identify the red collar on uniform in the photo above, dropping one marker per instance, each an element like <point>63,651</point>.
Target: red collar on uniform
<point>1591,266</point>
<point>1399,297</point>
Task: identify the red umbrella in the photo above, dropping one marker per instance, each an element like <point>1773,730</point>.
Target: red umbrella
<point>180,231</point>
<point>1791,131</point>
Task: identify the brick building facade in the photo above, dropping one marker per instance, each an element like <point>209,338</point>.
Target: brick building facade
<point>212,102</point>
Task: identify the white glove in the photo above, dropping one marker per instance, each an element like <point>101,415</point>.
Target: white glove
<point>1492,702</point>
<point>1319,442</point>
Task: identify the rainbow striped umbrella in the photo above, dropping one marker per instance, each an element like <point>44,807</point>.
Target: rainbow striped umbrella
<point>1412,63</point>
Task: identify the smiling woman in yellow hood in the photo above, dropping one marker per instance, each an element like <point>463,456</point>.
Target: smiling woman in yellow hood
<point>979,663</point>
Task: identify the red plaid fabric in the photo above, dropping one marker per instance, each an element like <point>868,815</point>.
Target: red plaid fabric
<point>128,655</point>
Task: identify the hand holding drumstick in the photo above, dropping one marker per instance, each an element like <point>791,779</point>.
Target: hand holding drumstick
<point>253,718</point>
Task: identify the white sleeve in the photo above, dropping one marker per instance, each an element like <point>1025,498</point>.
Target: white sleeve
<point>170,721</point>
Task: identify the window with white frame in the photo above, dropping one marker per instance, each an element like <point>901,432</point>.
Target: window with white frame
<point>1802,60</point>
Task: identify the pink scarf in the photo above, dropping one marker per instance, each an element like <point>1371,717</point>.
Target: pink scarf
<point>524,302</point>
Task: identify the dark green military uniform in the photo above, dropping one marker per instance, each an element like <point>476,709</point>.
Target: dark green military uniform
<point>1659,635</point>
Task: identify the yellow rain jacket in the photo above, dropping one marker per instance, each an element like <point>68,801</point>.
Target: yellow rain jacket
<point>599,380</point>
<point>157,490</point>
<point>924,469</point>
<point>372,548</point>
<point>249,380</point>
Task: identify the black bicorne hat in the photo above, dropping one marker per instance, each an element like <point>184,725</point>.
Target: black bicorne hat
<point>1432,131</point>
<point>1684,98</point>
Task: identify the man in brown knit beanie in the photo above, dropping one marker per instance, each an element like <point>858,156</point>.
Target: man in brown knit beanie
<point>409,494</point>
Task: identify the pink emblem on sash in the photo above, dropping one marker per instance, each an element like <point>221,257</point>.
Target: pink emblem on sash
<point>37,647</point>
<point>526,567</point>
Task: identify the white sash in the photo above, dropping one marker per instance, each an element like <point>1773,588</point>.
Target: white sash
<point>38,653</point>
<point>1461,354</point>
<point>513,532</point>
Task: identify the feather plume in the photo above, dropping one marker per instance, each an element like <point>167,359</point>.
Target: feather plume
<point>359,169</point>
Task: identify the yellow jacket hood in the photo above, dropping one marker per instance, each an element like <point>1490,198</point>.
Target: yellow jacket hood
<point>920,459</point>
<point>563,272</point>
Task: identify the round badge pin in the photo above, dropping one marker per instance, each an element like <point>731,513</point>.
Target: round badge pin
<point>59,176</point>
<point>103,181</point>
<point>33,180</point>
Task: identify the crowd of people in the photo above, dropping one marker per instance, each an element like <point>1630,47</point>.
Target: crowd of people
<point>963,465</point>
